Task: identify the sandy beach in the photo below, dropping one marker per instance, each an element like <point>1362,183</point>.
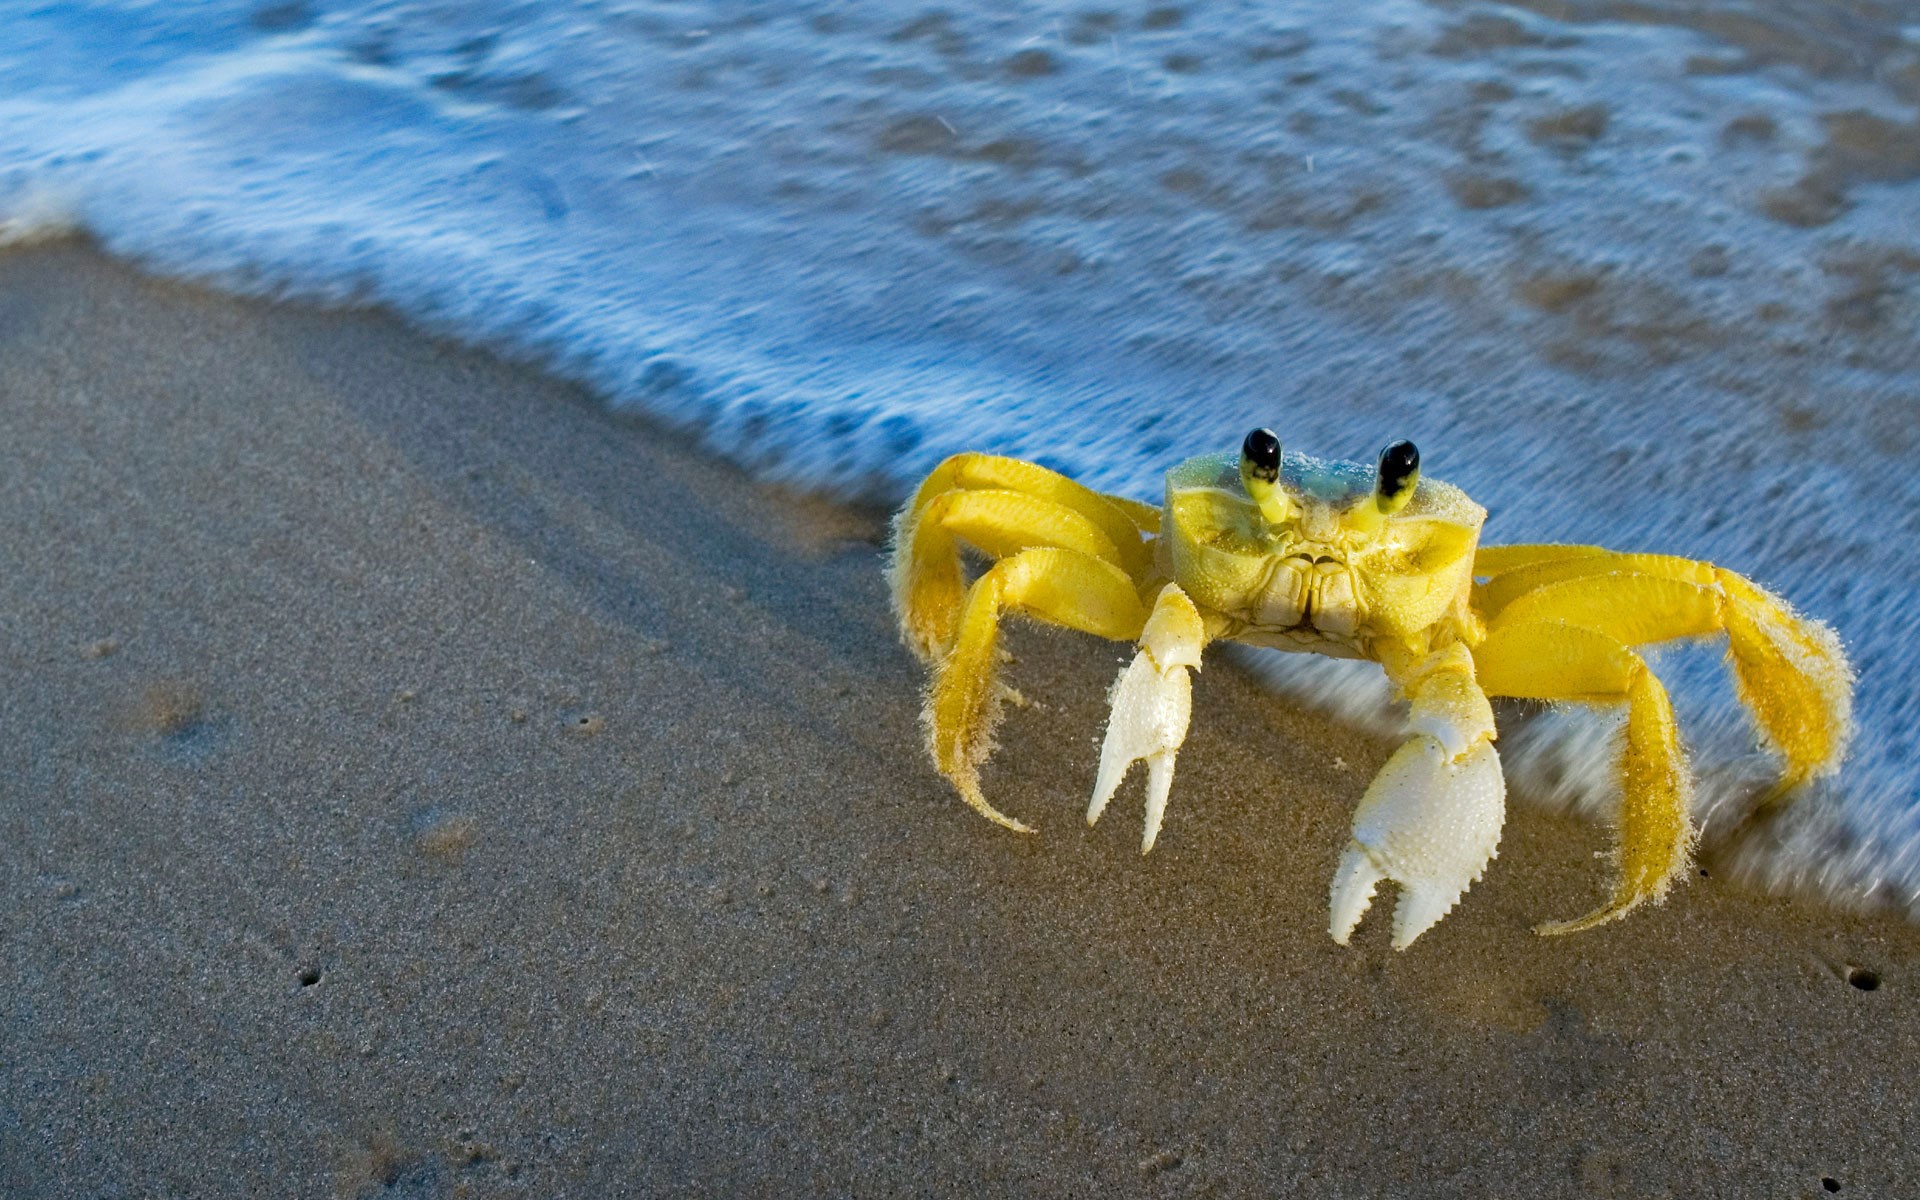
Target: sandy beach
<point>418,782</point>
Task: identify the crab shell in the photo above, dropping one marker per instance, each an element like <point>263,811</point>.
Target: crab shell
<point>1336,575</point>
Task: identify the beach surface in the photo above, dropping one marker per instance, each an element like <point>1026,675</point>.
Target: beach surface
<point>419,782</point>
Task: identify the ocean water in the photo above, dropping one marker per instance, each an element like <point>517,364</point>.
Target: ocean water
<point>1638,272</point>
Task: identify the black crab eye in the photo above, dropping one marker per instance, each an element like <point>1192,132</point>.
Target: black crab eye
<point>1399,474</point>
<point>1260,456</point>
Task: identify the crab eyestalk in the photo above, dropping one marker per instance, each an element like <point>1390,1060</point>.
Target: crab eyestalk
<point>1396,478</point>
<point>1260,475</point>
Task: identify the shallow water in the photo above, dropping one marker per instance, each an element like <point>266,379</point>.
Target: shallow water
<point>1635,273</point>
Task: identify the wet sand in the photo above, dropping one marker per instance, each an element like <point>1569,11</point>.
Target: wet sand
<point>419,782</point>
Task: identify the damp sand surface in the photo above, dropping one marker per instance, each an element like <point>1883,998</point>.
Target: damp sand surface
<point>420,783</point>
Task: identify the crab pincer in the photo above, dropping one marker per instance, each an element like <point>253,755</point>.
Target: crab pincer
<point>1431,819</point>
<point>1151,704</point>
<point>1428,823</point>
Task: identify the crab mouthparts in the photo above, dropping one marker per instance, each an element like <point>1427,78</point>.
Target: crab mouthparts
<point>1314,590</point>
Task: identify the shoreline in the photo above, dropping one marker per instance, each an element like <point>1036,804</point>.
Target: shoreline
<point>421,782</point>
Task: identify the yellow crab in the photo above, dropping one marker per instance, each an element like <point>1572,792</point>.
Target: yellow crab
<point>1356,561</point>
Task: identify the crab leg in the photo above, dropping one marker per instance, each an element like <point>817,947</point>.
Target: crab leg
<point>1000,506</point>
<point>1431,819</point>
<point>1557,661</point>
<point>1791,671</point>
<point>1152,701</point>
<point>1498,560</point>
<point>1064,587</point>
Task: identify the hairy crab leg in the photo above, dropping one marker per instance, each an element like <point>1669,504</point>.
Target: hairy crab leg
<point>1791,671</point>
<point>928,583</point>
<point>1557,661</point>
<point>1431,819</point>
<point>973,471</point>
<point>1000,506</point>
<point>1152,702</point>
<point>1063,587</point>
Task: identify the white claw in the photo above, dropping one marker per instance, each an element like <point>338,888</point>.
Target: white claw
<point>1353,883</point>
<point>1151,708</point>
<point>1431,823</point>
<point>1159,783</point>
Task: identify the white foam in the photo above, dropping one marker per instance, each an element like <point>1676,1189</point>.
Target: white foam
<point>1604,273</point>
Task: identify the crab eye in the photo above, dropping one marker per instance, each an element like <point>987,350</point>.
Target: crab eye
<point>1399,474</point>
<point>1260,475</point>
<point>1260,456</point>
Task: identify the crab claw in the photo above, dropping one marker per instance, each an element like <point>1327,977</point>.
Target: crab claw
<point>1148,723</point>
<point>1431,823</point>
<point>1152,702</point>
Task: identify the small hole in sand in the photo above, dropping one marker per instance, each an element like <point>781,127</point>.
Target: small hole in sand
<point>309,977</point>
<point>1830,1183</point>
<point>1866,981</point>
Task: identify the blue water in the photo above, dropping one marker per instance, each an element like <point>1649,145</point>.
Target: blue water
<point>1643,274</point>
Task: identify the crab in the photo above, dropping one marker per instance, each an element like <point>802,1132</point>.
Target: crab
<point>1372,562</point>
